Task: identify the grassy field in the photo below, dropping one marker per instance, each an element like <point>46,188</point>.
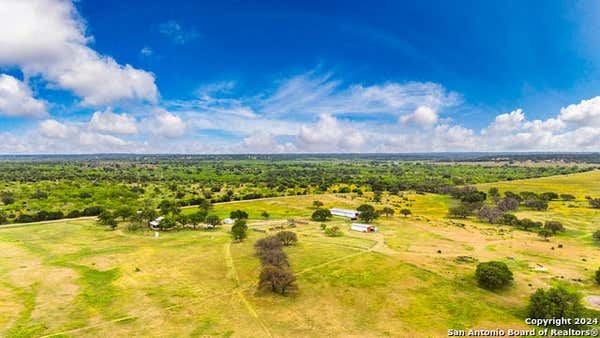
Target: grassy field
<point>76,279</point>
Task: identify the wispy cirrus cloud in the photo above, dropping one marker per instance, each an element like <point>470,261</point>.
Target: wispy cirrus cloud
<point>177,33</point>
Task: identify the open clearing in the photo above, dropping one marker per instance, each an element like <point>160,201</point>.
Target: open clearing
<point>74,278</point>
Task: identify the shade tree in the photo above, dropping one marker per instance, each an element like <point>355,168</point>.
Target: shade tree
<point>239,230</point>
<point>554,226</point>
<point>493,275</point>
<point>287,237</point>
<point>277,279</point>
<point>556,302</point>
<point>321,215</point>
<point>387,211</point>
<point>238,214</point>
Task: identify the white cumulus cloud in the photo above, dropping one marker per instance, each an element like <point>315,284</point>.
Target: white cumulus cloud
<point>329,134</point>
<point>166,124</point>
<point>264,142</point>
<point>16,99</point>
<point>506,122</point>
<point>47,38</point>
<point>109,122</point>
<point>586,112</point>
<point>423,116</point>
<point>56,130</point>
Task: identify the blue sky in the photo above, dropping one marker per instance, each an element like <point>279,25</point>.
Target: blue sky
<point>276,76</point>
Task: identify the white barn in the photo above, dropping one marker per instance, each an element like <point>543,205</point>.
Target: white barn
<point>360,227</point>
<point>352,214</point>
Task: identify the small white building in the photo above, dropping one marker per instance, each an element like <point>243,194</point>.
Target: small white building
<point>228,221</point>
<point>352,214</point>
<point>156,222</point>
<point>360,227</point>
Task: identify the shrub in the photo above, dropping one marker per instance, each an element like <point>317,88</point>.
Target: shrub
<point>596,236</point>
<point>508,219</point>
<point>549,196</point>
<point>167,222</point>
<point>406,212</point>
<point>134,227</point>
<point>7,197</point>
<point>334,231</point>
<point>526,223</point>
<point>567,197</point>
<point>554,303</point>
<point>511,194</point>
<point>539,205</point>
<point>93,211</point>
<point>597,276</point>
<point>321,215</point>
<point>106,218</point>
<point>594,203</point>
<point>493,275</point>
<point>74,214</point>
<point>213,220</point>
<point>39,195</point>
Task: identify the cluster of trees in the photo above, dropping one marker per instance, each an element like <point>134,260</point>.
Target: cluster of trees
<point>367,212</point>
<point>170,211</point>
<point>54,215</point>
<point>556,302</point>
<point>594,202</point>
<point>495,216</point>
<point>473,203</point>
<point>276,274</point>
<point>472,199</point>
